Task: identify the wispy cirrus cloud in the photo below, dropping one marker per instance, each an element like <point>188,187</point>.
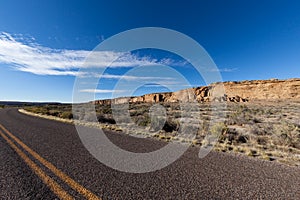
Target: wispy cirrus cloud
<point>25,55</point>
<point>99,91</point>
<point>135,78</point>
<point>226,69</point>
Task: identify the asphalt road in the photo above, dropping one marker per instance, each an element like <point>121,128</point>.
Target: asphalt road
<point>43,159</point>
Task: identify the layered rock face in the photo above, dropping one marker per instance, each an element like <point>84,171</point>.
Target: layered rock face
<point>264,89</point>
<point>228,91</point>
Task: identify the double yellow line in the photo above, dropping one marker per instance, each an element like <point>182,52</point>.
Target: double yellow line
<point>52,184</point>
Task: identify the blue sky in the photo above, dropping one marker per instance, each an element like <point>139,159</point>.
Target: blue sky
<point>43,43</point>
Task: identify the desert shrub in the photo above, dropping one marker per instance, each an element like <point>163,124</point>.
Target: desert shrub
<point>263,129</point>
<point>121,118</point>
<point>270,111</point>
<point>205,117</point>
<point>256,120</point>
<point>142,120</point>
<point>143,110</point>
<point>194,108</point>
<point>37,109</point>
<point>262,140</point>
<point>66,115</point>
<point>134,113</point>
<point>103,109</point>
<point>171,126</point>
<point>257,111</point>
<point>255,130</point>
<point>251,152</point>
<point>287,134</point>
<point>55,113</point>
<point>105,119</point>
<point>175,106</point>
<point>188,130</point>
<point>243,115</point>
<point>229,135</point>
<point>203,130</point>
<point>242,139</point>
<point>157,122</point>
<point>106,110</point>
<point>236,119</point>
<point>218,129</point>
<point>88,117</point>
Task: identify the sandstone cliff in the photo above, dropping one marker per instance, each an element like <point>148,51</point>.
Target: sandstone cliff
<point>228,91</point>
<point>265,89</point>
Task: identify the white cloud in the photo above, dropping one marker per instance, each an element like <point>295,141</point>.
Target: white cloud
<point>167,84</point>
<point>135,78</point>
<point>99,91</point>
<point>224,69</point>
<point>26,55</point>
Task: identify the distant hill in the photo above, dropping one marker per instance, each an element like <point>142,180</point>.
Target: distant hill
<point>19,103</point>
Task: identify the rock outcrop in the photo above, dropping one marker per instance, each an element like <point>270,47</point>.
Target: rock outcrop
<point>264,89</point>
<point>227,91</point>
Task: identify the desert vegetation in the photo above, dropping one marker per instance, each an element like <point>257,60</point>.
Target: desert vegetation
<point>63,111</point>
<point>269,130</point>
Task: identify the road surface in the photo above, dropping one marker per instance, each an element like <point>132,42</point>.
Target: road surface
<point>43,159</point>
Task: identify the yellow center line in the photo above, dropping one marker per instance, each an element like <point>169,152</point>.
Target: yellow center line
<point>53,185</point>
<point>73,184</point>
